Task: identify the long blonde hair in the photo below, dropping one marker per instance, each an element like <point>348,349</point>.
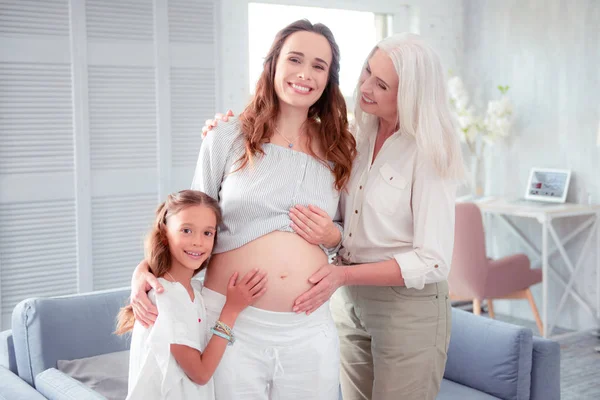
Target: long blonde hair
<point>156,247</point>
<point>423,105</point>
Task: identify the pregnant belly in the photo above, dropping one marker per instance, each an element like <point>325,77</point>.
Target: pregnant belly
<point>287,259</point>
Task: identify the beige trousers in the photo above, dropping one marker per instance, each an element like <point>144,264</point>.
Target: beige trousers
<point>393,341</point>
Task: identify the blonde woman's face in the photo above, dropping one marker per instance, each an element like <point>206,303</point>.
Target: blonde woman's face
<point>379,87</point>
<point>191,236</point>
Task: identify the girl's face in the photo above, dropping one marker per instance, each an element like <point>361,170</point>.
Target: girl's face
<point>302,69</point>
<point>379,87</point>
<point>191,236</point>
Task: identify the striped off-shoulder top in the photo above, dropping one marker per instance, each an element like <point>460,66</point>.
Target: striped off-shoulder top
<point>256,200</point>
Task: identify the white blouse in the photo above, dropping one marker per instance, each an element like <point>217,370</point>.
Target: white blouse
<point>153,371</point>
<point>399,208</point>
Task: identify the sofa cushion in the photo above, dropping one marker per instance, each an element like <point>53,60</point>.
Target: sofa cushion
<point>491,356</point>
<point>55,385</point>
<point>106,374</point>
<point>455,391</point>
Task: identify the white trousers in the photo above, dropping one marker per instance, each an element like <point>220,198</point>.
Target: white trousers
<point>277,355</point>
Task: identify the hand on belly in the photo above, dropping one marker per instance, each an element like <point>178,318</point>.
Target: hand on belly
<point>287,259</point>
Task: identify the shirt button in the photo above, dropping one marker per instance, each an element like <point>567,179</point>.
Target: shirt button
<point>360,187</point>
<point>355,211</point>
<point>435,266</point>
<point>350,234</point>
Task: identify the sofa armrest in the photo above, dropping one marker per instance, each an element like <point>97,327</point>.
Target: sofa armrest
<point>7,351</point>
<point>491,356</point>
<point>14,388</point>
<point>545,370</point>
<point>55,385</point>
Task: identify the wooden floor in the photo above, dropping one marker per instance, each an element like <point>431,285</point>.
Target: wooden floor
<point>579,365</point>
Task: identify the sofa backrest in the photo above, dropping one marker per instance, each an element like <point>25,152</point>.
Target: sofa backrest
<point>491,356</point>
<point>46,330</point>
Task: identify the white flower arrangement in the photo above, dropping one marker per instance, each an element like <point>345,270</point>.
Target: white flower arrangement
<point>473,129</point>
<point>476,131</point>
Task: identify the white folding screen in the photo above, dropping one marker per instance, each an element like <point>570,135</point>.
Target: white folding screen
<point>101,107</point>
<point>193,76</point>
<point>123,134</point>
<point>38,252</point>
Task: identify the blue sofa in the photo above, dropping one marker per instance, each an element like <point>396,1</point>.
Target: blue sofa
<point>487,359</point>
<point>12,387</point>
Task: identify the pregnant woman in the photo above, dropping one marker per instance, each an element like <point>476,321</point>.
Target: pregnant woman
<point>291,147</point>
<point>391,306</point>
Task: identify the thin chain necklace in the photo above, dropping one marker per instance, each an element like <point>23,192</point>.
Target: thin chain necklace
<point>290,142</point>
<point>171,276</point>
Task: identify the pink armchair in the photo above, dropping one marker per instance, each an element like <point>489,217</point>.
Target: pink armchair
<point>475,277</point>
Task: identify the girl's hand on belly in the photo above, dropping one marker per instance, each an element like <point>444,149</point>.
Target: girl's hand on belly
<point>245,292</point>
<point>314,225</point>
<point>326,280</point>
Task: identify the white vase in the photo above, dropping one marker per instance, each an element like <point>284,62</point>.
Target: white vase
<point>477,175</point>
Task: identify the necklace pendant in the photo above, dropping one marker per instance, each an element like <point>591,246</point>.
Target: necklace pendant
<point>290,145</point>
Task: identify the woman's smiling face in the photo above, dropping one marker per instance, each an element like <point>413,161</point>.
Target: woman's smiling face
<point>379,87</point>
<point>302,69</point>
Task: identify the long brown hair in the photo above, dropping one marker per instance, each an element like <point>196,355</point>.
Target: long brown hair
<point>156,247</point>
<point>328,116</point>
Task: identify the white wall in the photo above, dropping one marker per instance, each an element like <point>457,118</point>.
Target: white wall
<point>548,52</point>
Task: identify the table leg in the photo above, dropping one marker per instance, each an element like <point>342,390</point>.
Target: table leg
<point>569,290</point>
<point>598,266</point>
<point>545,278</point>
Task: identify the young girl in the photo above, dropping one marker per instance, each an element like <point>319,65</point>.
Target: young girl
<point>172,360</point>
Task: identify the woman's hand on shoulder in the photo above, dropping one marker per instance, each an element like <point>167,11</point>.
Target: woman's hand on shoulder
<point>211,123</point>
<point>142,281</point>
<point>245,292</point>
<point>314,225</point>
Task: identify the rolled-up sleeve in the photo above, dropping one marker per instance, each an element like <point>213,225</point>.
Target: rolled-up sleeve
<point>433,206</point>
